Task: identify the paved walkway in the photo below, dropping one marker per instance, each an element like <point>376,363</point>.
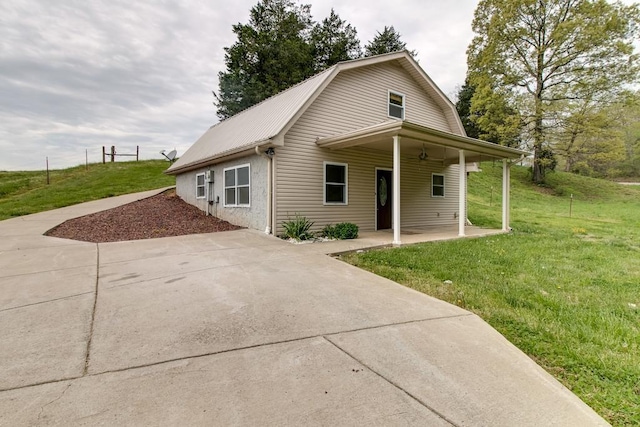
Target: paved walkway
<point>239,328</point>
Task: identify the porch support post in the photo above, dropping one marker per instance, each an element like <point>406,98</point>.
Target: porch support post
<point>506,199</point>
<point>462,195</point>
<point>396,190</point>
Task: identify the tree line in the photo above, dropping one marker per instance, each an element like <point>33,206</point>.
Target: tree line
<point>282,45</point>
<point>556,77</point>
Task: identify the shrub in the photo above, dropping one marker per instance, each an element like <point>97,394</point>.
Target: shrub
<point>298,228</point>
<point>342,231</point>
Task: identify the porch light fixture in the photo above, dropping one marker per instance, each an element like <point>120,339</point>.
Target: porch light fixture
<point>423,155</point>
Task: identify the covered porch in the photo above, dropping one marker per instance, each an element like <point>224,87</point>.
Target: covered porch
<point>404,139</point>
<point>384,238</point>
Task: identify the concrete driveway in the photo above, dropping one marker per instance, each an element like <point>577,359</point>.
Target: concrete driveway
<point>239,328</point>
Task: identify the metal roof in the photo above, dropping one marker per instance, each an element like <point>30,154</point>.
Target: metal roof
<point>265,123</point>
<point>254,126</point>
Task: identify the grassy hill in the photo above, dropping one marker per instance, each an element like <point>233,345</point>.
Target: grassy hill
<point>27,192</point>
<point>565,290</point>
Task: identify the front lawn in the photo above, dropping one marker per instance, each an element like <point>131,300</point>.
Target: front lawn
<point>565,290</point>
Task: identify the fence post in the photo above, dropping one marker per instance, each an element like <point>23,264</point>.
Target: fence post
<point>113,153</point>
<point>104,155</point>
<point>137,152</point>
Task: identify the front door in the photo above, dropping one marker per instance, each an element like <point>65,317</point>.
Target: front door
<point>383,199</point>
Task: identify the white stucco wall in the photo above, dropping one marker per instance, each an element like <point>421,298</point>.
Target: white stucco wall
<point>254,216</point>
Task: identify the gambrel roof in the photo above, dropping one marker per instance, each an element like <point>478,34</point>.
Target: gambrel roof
<point>266,123</point>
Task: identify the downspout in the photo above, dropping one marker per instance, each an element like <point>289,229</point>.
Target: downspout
<point>269,156</point>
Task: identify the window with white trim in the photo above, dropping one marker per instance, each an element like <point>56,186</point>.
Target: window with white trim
<point>336,177</point>
<point>201,188</point>
<point>437,185</point>
<point>396,105</point>
<point>237,186</point>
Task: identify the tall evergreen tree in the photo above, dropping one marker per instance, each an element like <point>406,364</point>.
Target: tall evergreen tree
<point>386,41</point>
<point>494,120</point>
<point>334,40</point>
<point>271,54</point>
<point>463,105</point>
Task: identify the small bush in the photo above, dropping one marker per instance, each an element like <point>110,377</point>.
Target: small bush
<point>298,228</point>
<point>342,231</point>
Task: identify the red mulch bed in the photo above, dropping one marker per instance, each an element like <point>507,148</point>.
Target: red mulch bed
<point>163,215</point>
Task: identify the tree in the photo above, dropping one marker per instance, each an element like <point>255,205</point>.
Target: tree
<point>334,40</point>
<point>463,106</point>
<point>544,52</point>
<point>629,124</point>
<point>271,54</point>
<point>386,41</point>
<point>585,136</point>
<point>492,119</point>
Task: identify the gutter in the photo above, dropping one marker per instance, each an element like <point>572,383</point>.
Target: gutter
<point>221,157</point>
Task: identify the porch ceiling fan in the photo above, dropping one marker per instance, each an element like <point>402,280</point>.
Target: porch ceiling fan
<point>423,154</point>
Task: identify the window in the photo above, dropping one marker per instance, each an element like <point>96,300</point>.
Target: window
<point>437,185</point>
<point>396,105</point>
<point>237,186</point>
<point>201,189</point>
<point>335,183</point>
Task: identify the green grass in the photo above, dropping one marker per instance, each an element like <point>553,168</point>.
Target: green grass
<point>564,290</point>
<point>27,192</point>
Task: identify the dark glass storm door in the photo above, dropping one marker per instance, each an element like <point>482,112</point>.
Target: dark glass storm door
<point>383,199</point>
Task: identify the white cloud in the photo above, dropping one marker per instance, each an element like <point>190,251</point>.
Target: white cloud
<point>77,75</point>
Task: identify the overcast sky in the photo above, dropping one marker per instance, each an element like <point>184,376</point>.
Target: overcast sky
<point>77,75</point>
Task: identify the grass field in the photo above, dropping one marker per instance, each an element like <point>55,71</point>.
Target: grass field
<point>565,290</point>
<point>27,192</point>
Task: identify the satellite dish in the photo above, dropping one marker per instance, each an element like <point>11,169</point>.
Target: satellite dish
<point>171,156</point>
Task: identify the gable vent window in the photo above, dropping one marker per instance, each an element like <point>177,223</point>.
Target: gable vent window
<point>237,186</point>
<point>335,183</point>
<point>396,105</point>
<point>200,186</point>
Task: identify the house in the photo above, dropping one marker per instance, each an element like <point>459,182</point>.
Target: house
<point>371,141</point>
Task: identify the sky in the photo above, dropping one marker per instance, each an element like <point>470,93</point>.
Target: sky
<point>77,75</point>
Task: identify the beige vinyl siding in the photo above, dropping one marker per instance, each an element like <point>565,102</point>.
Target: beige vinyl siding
<point>358,98</point>
<point>418,208</point>
<point>355,99</point>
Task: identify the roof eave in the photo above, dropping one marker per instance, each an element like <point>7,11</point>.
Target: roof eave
<point>418,132</point>
<point>222,157</point>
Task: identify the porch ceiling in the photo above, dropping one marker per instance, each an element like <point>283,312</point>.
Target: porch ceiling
<point>438,145</point>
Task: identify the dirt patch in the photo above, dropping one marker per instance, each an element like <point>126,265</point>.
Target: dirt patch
<point>162,215</point>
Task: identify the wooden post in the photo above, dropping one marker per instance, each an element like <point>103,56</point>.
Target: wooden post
<point>113,153</point>
<point>104,155</point>
<point>137,152</point>
<point>47,170</point>
<point>570,206</point>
